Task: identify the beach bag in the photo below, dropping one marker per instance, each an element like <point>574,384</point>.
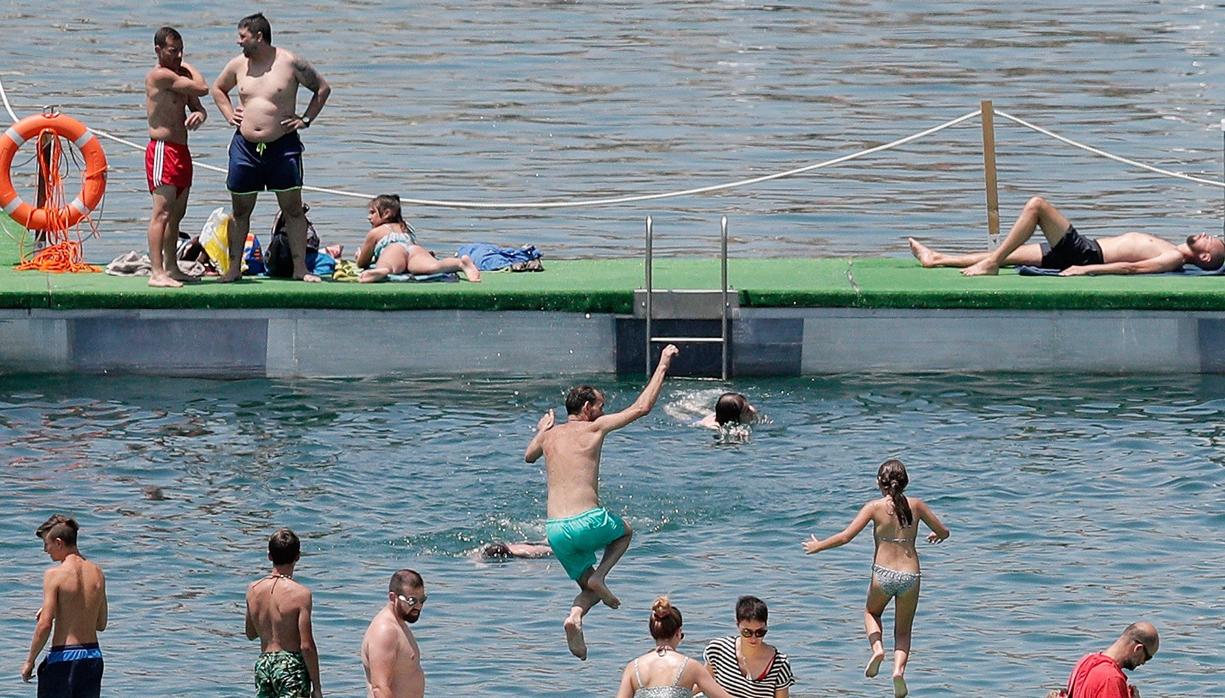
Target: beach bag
<point>214,238</point>
<point>278,259</point>
<point>252,256</point>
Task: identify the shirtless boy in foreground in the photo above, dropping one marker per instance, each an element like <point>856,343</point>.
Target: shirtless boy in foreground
<point>172,89</point>
<point>74,602</point>
<point>577,525</point>
<point>1075,254</point>
<point>266,152</point>
<point>390,654</point>
<point>279,614</point>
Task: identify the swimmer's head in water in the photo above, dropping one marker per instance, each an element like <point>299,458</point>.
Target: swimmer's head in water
<point>586,401</point>
<point>496,551</point>
<point>892,480</point>
<point>1209,251</point>
<point>732,408</point>
<point>284,547</point>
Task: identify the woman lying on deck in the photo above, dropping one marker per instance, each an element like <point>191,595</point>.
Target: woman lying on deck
<point>391,247</point>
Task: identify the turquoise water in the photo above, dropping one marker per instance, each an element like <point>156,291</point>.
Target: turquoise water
<point>1076,504</point>
<point>517,100</point>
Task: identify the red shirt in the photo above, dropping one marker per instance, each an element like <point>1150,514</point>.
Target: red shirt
<point>1097,676</point>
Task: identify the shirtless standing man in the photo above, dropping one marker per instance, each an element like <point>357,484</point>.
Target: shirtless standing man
<point>266,152</point>
<point>74,601</point>
<point>390,654</point>
<point>1075,254</point>
<point>279,614</point>
<point>171,88</point>
<point>577,525</point>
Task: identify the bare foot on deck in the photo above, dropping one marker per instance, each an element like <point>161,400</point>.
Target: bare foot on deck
<point>899,686</point>
<point>370,276</point>
<point>873,667</point>
<point>983,268</point>
<point>182,277</point>
<point>926,256</point>
<point>574,638</point>
<point>597,586</point>
<point>308,278</point>
<point>163,281</point>
<point>473,274</point>
<point>230,278</point>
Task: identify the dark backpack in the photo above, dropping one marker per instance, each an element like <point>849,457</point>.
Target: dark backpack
<point>278,259</point>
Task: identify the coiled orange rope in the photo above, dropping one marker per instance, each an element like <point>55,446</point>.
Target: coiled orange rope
<point>61,254</point>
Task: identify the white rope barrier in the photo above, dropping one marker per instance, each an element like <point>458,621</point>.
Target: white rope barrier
<point>1116,158</point>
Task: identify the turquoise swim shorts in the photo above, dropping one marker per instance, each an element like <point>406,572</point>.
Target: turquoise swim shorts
<point>575,539</point>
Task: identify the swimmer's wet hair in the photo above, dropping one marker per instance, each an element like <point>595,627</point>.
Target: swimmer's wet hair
<point>58,526</point>
<point>257,24</point>
<point>159,39</point>
<point>496,550</point>
<point>665,619</point>
<point>405,580</point>
<point>579,396</point>
<point>284,547</point>
<point>751,608</point>
<point>729,407</point>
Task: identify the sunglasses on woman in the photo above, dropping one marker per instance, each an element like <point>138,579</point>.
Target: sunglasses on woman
<point>760,632</point>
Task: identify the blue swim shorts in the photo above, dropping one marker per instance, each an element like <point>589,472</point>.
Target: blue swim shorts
<point>575,539</point>
<point>256,167</point>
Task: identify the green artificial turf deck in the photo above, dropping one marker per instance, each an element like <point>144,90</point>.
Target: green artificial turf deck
<point>607,285</point>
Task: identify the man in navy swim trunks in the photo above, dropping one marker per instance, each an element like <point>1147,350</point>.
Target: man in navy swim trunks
<point>1076,255</point>
<point>72,615</point>
<point>578,526</point>
<point>266,152</point>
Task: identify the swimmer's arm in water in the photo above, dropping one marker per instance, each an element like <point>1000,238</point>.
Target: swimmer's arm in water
<point>535,448</point>
<point>927,516</point>
<point>530,550</point>
<point>306,640</point>
<point>814,545</point>
<point>707,422</point>
<point>646,400</point>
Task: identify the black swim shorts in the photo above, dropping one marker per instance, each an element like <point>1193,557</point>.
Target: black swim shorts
<point>1072,250</point>
<point>256,167</point>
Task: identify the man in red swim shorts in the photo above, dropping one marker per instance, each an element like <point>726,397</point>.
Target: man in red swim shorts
<point>173,89</point>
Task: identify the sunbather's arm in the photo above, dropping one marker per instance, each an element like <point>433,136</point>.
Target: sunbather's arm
<point>365,255</point>
<point>1169,261</point>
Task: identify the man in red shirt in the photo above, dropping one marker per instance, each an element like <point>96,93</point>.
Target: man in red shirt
<point>1100,675</point>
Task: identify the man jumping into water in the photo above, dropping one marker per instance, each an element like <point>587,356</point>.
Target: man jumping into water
<point>172,89</point>
<point>266,152</point>
<point>577,525</point>
<point>1076,255</point>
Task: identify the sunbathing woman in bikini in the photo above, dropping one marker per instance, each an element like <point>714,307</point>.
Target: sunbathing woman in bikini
<point>391,247</point>
<point>895,567</point>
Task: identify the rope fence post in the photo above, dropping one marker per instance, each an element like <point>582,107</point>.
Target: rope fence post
<point>989,179</point>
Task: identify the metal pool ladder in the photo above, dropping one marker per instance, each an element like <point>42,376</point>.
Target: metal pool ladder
<point>687,304</point>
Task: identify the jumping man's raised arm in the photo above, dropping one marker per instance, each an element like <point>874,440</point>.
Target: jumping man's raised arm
<point>646,400</point>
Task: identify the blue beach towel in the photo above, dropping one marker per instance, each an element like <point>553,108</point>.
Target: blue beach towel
<point>1187,270</point>
<point>489,257</point>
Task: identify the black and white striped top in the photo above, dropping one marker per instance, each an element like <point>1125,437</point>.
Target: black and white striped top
<point>720,656</point>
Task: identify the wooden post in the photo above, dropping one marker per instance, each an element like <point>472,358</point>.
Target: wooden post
<point>993,196</point>
<point>44,149</point>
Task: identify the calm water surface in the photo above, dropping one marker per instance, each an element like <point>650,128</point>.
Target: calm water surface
<point>519,101</point>
<point>1076,505</point>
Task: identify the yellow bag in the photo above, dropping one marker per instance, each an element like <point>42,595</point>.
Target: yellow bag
<point>215,239</point>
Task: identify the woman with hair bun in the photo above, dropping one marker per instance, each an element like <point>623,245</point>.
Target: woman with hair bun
<point>895,565</point>
<point>664,672</point>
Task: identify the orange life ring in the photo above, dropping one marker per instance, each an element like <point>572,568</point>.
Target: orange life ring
<point>95,170</point>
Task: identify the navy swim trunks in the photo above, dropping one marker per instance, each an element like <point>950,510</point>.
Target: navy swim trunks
<point>1072,250</point>
<point>256,167</point>
<point>71,671</point>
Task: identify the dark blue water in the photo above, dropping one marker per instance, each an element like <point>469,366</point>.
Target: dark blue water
<point>1077,505</point>
<point>521,101</point>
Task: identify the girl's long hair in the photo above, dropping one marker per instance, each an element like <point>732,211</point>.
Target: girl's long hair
<point>893,479</point>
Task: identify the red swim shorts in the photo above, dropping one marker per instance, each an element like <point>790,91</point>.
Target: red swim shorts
<point>168,163</point>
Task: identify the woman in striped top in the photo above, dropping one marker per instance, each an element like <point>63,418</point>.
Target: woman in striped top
<point>744,664</point>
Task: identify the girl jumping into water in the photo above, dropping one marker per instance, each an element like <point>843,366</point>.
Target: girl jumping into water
<point>391,247</point>
<point>895,566</point>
